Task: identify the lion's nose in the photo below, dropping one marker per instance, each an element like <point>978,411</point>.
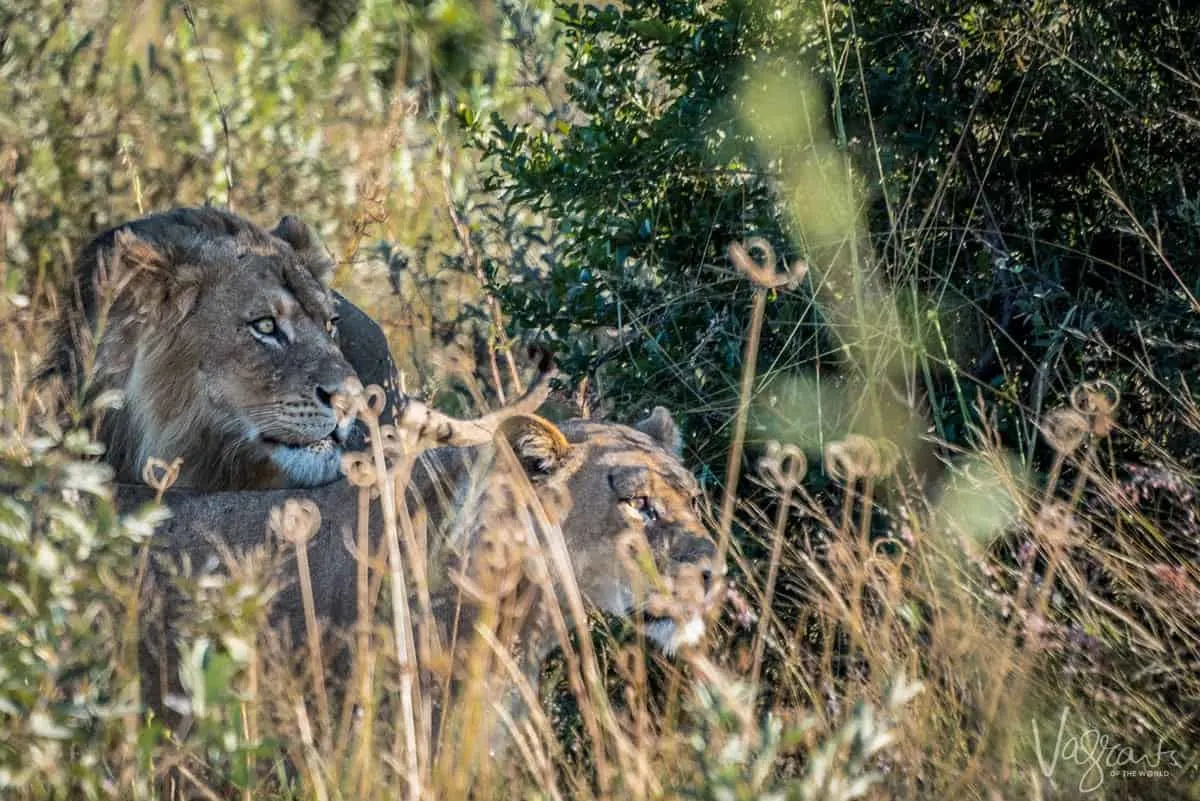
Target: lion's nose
<point>345,385</point>
<point>350,432</point>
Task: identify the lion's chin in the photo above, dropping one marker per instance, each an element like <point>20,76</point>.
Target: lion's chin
<point>311,465</point>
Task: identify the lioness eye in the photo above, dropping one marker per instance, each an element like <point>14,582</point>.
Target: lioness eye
<point>644,507</point>
<point>265,326</point>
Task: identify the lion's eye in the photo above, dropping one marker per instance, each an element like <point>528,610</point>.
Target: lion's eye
<point>265,326</point>
<point>644,507</point>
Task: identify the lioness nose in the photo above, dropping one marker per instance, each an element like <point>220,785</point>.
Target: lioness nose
<point>701,553</point>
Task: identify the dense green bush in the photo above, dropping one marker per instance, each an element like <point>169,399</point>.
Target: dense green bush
<point>1032,168</point>
<point>1030,197</point>
<point>646,183</point>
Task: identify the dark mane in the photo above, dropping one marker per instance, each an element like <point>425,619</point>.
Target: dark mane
<point>175,231</point>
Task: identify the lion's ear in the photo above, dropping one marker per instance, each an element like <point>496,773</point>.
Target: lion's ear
<point>293,231</point>
<point>537,443</point>
<point>661,428</point>
<point>145,273</point>
<point>296,233</point>
<point>132,253</point>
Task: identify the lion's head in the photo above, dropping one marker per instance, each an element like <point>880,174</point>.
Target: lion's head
<point>627,510</point>
<point>219,339</point>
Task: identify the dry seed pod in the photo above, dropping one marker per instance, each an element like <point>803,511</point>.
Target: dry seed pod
<point>393,441</point>
<point>1064,429</point>
<point>374,402</point>
<point>1098,400</point>
<point>346,404</point>
<point>1057,523</point>
<point>159,476</point>
<point>782,466</point>
<point>853,458</point>
<point>359,469</point>
<point>763,272</point>
<point>296,521</point>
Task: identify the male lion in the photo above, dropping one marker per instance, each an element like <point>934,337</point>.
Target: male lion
<point>592,497</point>
<point>225,347</point>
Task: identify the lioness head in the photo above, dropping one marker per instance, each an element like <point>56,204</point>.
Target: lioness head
<point>607,502</point>
<point>626,508</point>
<point>220,339</point>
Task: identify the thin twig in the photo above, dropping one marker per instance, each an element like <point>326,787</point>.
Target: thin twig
<point>1154,243</point>
<point>463,233</point>
<point>190,16</point>
<point>401,614</point>
<point>786,467</point>
<point>764,275</point>
<point>296,523</point>
<point>734,466</point>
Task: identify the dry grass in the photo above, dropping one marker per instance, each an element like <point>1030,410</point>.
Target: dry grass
<point>992,635</point>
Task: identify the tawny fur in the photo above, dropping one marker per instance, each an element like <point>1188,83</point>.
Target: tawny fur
<point>474,506</point>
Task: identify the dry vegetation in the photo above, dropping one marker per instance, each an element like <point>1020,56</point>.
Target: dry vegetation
<point>946,586</point>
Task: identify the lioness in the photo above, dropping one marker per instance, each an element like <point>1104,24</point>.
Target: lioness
<point>226,349</point>
<point>597,494</point>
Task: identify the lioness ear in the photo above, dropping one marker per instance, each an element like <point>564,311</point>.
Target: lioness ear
<point>538,444</point>
<point>144,272</point>
<point>661,428</point>
<point>294,231</point>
